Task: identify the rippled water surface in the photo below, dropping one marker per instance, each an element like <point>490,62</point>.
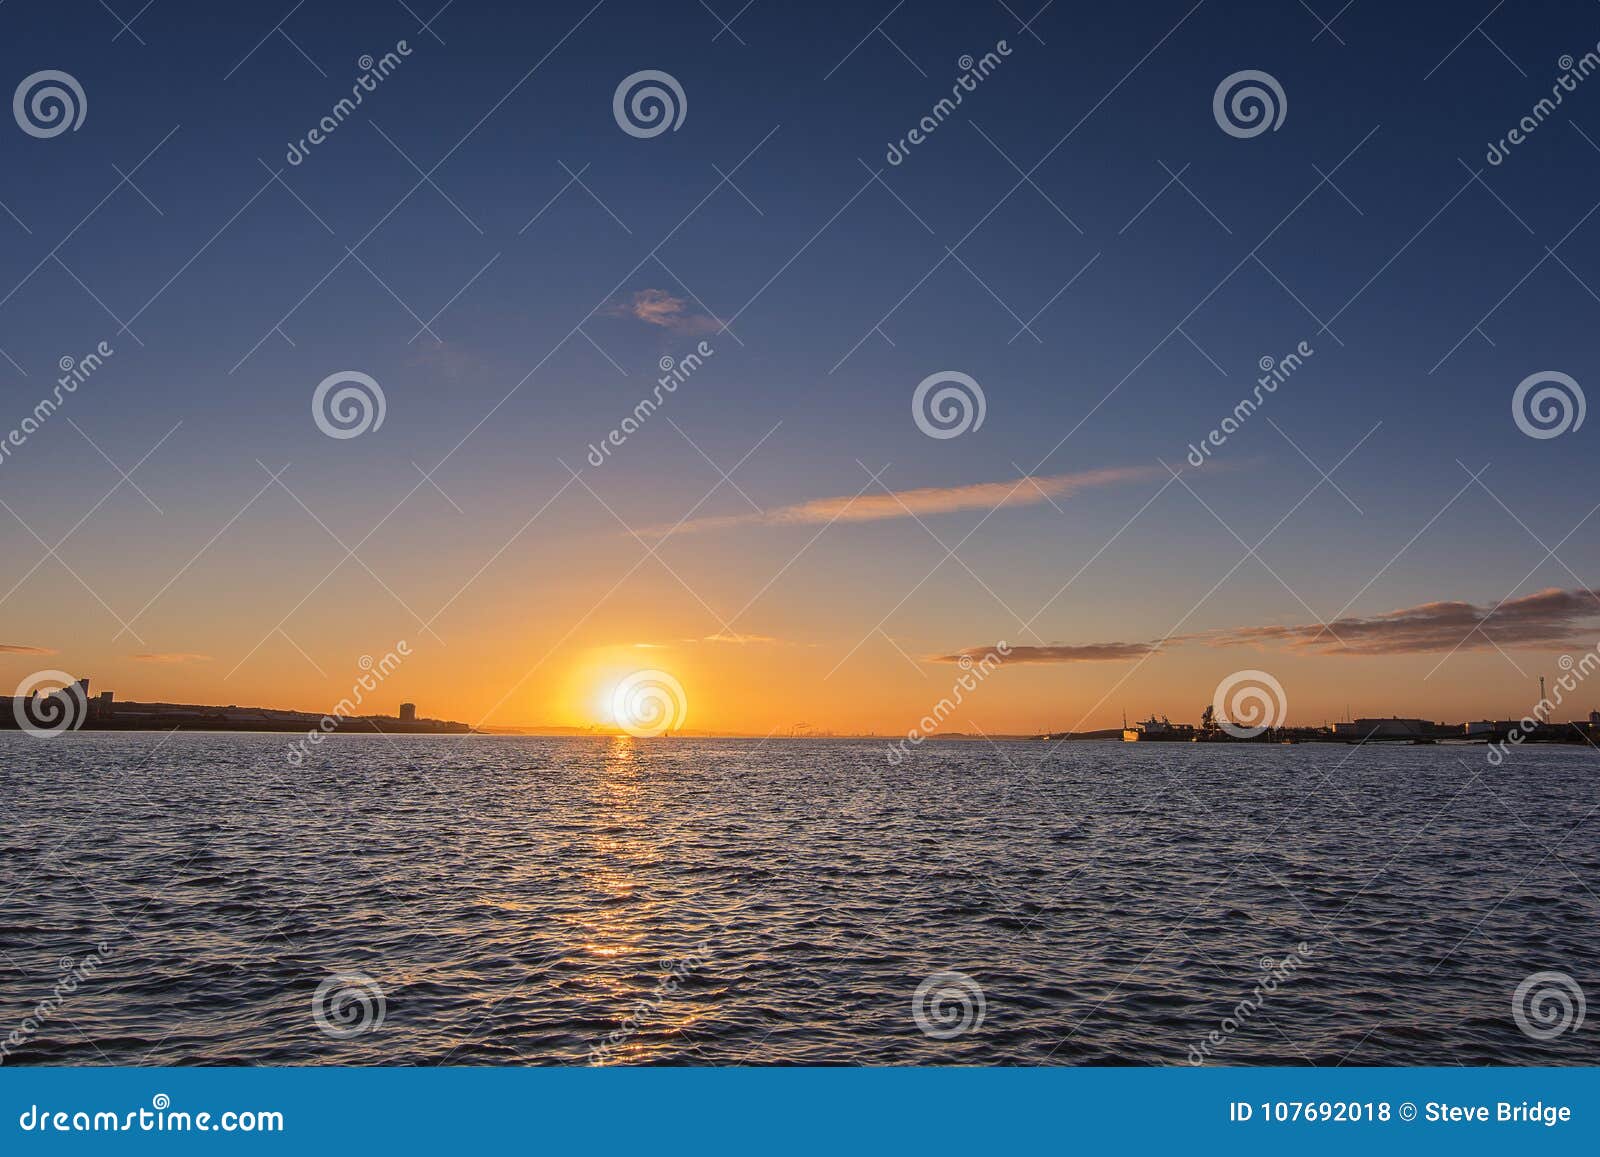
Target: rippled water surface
<point>520,901</point>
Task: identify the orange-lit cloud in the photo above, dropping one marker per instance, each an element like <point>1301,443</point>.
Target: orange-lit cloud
<point>1029,490</point>
<point>24,649</point>
<point>170,657</point>
<point>1551,617</point>
<point>1057,653</point>
<point>660,308</point>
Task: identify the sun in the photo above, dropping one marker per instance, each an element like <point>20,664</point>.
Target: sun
<point>649,703</point>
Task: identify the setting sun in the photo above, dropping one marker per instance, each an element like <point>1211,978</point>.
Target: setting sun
<point>649,703</point>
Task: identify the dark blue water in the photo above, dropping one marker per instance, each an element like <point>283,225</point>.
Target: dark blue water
<point>485,900</point>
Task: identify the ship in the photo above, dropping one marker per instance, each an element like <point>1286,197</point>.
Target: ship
<point>1158,730</point>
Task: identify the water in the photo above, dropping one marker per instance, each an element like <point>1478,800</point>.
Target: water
<point>520,901</point>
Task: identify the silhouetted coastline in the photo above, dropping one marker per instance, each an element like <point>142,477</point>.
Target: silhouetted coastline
<point>71,708</point>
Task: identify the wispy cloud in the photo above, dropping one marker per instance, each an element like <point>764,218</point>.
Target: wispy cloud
<point>1029,490</point>
<point>450,361</point>
<point>170,657</point>
<point>1547,618</point>
<point>1057,653</point>
<point>24,649</point>
<point>660,308</point>
<point>731,638</point>
<point>737,639</point>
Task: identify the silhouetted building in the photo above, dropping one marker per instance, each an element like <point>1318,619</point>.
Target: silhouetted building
<point>408,713</point>
<point>1362,730</point>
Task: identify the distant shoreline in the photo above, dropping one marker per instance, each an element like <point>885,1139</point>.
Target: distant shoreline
<point>71,709</point>
<point>366,728</point>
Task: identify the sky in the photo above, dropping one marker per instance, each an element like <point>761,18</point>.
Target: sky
<point>1081,237</point>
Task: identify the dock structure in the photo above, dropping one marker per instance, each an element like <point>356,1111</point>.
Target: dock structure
<point>1393,729</point>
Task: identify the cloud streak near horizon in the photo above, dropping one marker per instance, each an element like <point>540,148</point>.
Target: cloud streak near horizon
<point>1551,617</point>
<point>1057,653</point>
<point>1028,490</point>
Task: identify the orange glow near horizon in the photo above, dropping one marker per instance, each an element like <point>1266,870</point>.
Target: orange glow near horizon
<point>796,663</point>
<point>775,689</point>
